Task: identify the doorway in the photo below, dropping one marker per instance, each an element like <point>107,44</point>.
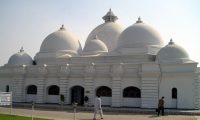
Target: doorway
<point>174,97</point>
<point>77,95</point>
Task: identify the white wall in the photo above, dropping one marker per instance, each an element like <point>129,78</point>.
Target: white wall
<point>4,82</point>
<point>49,82</point>
<point>127,82</point>
<point>76,82</point>
<point>130,102</point>
<point>185,90</point>
<point>28,82</point>
<point>106,101</point>
<point>30,98</point>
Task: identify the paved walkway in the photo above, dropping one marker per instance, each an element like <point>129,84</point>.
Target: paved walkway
<point>108,109</point>
<point>69,115</point>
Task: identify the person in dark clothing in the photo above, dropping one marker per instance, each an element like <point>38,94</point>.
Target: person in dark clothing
<point>161,106</point>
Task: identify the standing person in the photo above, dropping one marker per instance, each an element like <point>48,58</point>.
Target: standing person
<point>97,107</point>
<point>161,106</point>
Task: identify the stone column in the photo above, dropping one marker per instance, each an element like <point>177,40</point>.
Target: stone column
<point>18,90</point>
<point>41,92</point>
<point>64,82</point>
<point>89,92</point>
<point>116,91</point>
<point>117,71</point>
<point>89,83</point>
<point>150,75</point>
<point>197,91</point>
<point>18,83</point>
<point>64,88</point>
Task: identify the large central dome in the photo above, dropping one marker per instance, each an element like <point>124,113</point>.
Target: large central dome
<point>139,35</point>
<point>107,32</point>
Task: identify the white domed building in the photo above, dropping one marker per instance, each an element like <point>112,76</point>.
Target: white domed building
<point>127,67</point>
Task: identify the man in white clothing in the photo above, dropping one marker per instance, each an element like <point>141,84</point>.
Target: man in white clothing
<point>97,107</point>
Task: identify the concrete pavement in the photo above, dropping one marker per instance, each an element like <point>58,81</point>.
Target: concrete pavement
<point>81,115</point>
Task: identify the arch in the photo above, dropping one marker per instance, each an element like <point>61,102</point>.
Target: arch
<point>77,94</point>
<point>131,92</point>
<point>32,89</point>
<point>174,93</point>
<point>7,88</point>
<point>104,91</point>
<point>34,62</point>
<point>53,90</point>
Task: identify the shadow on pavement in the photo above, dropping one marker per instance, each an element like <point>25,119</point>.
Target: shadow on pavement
<point>86,119</point>
<point>153,116</point>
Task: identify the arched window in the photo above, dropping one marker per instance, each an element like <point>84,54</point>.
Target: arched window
<point>32,89</point>
<point>174,93</point>
<point>7,88</point>
<point>104,91</point>
<point>53,90</point>
<point>131,92</point>
<point>34,62</point>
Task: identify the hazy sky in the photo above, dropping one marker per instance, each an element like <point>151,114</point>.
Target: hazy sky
<point>27,22</point>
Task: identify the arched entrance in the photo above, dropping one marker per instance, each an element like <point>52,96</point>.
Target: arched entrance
<point>31,93</point>
<point>77,95</point>
<point>174,97</point>
<point>131,97</point>
<point>7,88</point>
<point>105,94</point>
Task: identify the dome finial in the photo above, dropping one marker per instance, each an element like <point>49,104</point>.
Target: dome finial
<point>22,49</point>
<point>171,42</point>
<point>139,20</point>
<point>110,17</point>
<point>62,27</point>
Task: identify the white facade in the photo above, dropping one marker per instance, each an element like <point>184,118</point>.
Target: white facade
<point>127,68</point>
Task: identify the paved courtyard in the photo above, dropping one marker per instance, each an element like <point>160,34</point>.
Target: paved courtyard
<point>69,115</point>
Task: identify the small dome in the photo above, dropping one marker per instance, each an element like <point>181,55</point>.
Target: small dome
<point>107,32</point>
<point>172,53</point>
<point>139,35</point>
<point>95,46</point>
<point>20,58</point>
<point>58,44</point>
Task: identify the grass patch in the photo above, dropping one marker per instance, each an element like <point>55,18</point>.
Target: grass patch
<point>15,117</point>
